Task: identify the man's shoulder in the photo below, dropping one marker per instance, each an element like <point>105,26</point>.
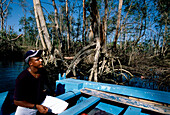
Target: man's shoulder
<point>23,74</point>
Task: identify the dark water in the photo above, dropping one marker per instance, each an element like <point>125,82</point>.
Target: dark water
<point>8,73</point>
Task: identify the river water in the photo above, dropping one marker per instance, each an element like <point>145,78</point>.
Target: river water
<point>8,73</point>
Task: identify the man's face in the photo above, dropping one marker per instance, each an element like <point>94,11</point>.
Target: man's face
<point>37,62</point>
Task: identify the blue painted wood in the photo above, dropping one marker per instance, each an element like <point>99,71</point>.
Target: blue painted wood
<point>154,95</point>
<point>127,101</point>
<point>132,111</point>
<point>69,94</point>
<point>77,109</point>
<point>70,85</point>
<point>64,76</point>
<point>144,114</point>
<point>2,98</point>
<point>61,77</point>
<point>115,110</point>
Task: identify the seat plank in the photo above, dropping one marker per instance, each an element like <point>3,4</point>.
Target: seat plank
<point>115,110</point>
<point>69,95</point>
<point>77,109</point>
<point>132,111</point>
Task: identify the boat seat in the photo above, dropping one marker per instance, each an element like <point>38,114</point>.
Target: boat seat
<point>115,110</point>
<point>69,94</point>
<point>79,108</point>
<point>132,111</point>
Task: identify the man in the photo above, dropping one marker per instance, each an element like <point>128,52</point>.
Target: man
<point>29,89</point>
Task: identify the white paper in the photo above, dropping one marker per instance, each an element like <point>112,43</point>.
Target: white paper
<point>56,105</point>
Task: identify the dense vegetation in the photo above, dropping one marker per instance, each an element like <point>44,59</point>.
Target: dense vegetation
<point>136,42</point>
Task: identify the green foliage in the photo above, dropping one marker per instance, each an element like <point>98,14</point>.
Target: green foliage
<point>10,50</point>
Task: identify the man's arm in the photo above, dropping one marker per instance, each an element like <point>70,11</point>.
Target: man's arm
<point>41,108</point>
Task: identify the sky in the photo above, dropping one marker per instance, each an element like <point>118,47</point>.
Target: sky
<point>17,13</point>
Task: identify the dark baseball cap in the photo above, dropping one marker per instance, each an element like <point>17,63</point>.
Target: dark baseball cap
<point>32,53</point>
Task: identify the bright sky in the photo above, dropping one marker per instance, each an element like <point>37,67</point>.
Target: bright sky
<point>17,12</point>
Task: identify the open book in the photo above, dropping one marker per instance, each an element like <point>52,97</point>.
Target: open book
<point>56,105</point>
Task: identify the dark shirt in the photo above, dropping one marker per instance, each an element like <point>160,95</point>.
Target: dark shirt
<point>28,88</point>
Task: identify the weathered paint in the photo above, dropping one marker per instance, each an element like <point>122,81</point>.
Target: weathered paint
<point>138,97</point>
<point>154,95</point>
<point>127,101</point>
<point>77,109</point>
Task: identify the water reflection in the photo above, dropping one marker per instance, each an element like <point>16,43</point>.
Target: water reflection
<point>8,73</point>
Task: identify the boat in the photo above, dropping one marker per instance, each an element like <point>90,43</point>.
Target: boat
<point>113,99</point>
<point>88,98</point>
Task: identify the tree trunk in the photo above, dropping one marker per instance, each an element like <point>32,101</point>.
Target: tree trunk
<point>2,23</point>
<point>68,27</point>
<point>43,26</point>
<point>121,37</point>
<point>125,39</point>
<point>3,12</point>
<point>96,59</point>
<point>57,26</point>
<point>122,27</point>
<point>86,24</point>
<point>2,16</point>
<point>23,40</point>
<point>164,36</point>
<point>118,23</point>
<point>39,26</point>
<point>71,17</point>
<point>84,21</point>
<point>96,29</point>
<point>61,28</point>
<point>105,26</point>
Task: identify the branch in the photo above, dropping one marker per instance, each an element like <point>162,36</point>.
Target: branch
<point>124,71</point>
<point>16,37</point>
<point>6,6</point>
<point>77,57</point>
<point>126,16</point>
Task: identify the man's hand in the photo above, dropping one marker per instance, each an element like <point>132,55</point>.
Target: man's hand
<point>42,109</point>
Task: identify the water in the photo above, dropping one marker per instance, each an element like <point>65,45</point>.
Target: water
<point>8,73</point>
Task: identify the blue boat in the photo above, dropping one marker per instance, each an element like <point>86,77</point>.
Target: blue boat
<point>89,98</point>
